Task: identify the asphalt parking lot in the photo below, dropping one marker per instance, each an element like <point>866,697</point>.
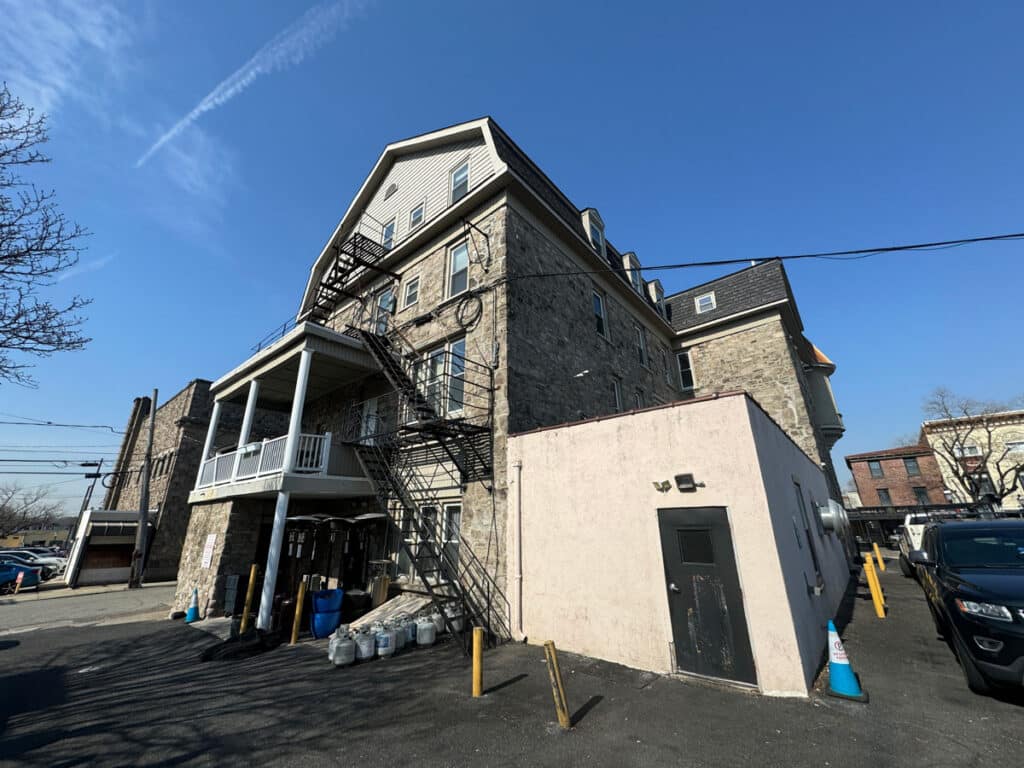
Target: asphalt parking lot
<point>135,694</point>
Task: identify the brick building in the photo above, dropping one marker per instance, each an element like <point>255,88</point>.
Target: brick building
<point>899,477</point>
<point>463,299</point>
<point>179,431</point>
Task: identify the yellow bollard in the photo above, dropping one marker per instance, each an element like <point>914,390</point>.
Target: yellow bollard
<point>248,599</point>
<point>876,589</point>
<point>478,662</point>
<point>299,601</point>
<point>557,689</point>
<point>878,557</point>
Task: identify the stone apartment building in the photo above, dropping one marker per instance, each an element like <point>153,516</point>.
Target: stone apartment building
<point>179,431</point>
<point>904,476</point>
<point>463,299</point>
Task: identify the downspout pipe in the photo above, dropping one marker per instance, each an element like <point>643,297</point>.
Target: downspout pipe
<point>517,554</point>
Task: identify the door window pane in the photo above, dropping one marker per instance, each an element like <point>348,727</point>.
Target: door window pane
<point>695,546</point>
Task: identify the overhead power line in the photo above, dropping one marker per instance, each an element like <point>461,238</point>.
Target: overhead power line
<point>68,426</point>
<point>850,255</point>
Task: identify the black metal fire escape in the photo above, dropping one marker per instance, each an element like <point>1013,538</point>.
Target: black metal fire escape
<point>424,431</point>
<point>358,252</point>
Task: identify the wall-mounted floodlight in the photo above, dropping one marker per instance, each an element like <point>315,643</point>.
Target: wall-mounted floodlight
<point>686,483</point>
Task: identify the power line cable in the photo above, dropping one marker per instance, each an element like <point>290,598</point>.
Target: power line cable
<point>850,255</point>
<point>66,426</point>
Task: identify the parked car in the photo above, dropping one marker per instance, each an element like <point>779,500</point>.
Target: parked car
<point>973,576</point>
<point>56,563</point>
<point>9,577</point>
<point>910,539</point>
<point>47,572</point>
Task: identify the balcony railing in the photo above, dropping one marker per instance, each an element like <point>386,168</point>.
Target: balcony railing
<point>312,457</point>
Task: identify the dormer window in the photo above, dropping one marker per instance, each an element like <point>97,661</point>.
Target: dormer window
<point>594,228</point>
<point>632,266</point>
<point>705,303</point>
<point>656,293</point>
<point>460,182</point>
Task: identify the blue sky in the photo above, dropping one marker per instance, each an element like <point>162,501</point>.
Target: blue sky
<point>701,130</point>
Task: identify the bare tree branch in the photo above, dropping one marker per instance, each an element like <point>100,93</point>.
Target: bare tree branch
<point>22,510</point>
<point>37,244</point>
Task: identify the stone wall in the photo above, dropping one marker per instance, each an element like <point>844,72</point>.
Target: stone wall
<point>236,525</point>
<point>757,356</point>
<point>560,368</point>
<point>179,433</point>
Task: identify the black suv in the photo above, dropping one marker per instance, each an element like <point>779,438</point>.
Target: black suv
<point>973,576</point>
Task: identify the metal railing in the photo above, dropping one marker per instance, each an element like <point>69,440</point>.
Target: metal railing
<point>312,457</point>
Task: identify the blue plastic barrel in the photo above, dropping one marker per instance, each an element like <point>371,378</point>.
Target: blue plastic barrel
<point>323,624</point>
<point>327,600</point>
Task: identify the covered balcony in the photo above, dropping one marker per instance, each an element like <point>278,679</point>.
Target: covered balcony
<point>307,363</point>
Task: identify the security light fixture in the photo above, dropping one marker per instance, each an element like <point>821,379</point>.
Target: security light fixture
<point>686,483</point>
<point>663,487</point>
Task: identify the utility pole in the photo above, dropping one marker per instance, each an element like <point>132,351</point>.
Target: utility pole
<point>139,555</point>
<point>85,499</point>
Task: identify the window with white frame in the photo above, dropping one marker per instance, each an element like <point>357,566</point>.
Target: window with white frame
<point>638,398</point>
<point>596,237</point>
<point>685,370</point>
<point>458,269</point>
<point>389,235</point>
<point>412,292</point>
<point>382,310</point>
<point>966,450</point>
<point>600,314</point>
<point>640,334</point>
<point>616,395</point>
<point>635,278</point>
<point>456,375</point>
<point>1015,446</point>
<point>416,216</point>
<point>705,303</point>
<point>460,182</point>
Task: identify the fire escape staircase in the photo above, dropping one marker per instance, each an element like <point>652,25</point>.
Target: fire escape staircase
<point>357,252</point>
<point>453,578</point>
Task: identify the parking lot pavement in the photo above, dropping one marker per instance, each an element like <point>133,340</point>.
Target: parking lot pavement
<point>29,611</point>
<point>136,695</point>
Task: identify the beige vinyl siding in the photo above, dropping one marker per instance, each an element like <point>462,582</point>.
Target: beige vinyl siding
<point>424,176</point>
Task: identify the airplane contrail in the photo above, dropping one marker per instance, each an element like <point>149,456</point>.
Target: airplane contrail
<point>289,47</point>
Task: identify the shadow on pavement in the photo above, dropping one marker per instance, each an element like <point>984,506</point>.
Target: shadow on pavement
<point>31,691</point>
<point>580,713</point>
<point>505,684</point>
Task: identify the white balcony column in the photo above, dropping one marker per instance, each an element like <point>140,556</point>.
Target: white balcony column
<point>281,508</point>
<point>211,435</point>
<point>211,430</point>
<point>250,412</point>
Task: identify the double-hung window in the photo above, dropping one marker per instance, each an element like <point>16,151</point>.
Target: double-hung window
<point>616,396</point>
<point>921,494</point>
<point>600,314</point>
<point>875,467</point>
<point>685,370</point>
<point>460,182</point>
<point>382,310</point>
<point>416,217</point>
<point>389,235</point>
<point>884,499</point>
<point>456,375</point>
<point>641,344</point>
<point>910,464</point>
<point>458,269</point>
<point>412,292</point>
<point>638,398</point>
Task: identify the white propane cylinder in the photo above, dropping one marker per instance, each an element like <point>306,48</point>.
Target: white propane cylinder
<point>438,622</point>
<point>332,646</point>
<point>386,642</point>
<point>454,618</point>
<point>344,651</point>
<point>426,632</point>
<point>399,636</point>
<point>365,645</point>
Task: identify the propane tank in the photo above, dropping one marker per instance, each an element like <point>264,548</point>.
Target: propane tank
<point>385,638</point>
<point>438,622</point>
<point>399,628</point>
<point>426,632</point>
<point>365,645</point>
<point>344,650</point>
<point>410,631</point>
<point>454,614</point>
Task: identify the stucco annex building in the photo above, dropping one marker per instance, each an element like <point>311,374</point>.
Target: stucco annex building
<point>463,300</point>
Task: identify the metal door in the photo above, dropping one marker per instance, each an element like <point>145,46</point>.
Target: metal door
<point>705,602</point>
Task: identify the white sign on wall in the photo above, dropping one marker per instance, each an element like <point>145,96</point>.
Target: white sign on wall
<point>211,539</point>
